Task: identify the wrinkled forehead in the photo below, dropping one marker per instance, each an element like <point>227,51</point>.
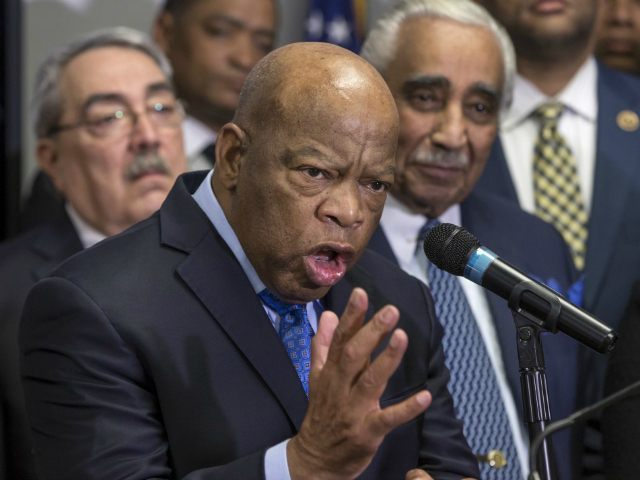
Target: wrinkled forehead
<point>432,50</point>
<point>345,99</point>
<point>124,73</point>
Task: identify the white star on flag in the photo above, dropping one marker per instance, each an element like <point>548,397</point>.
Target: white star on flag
<point>338,31</point>
<point>315,24</point>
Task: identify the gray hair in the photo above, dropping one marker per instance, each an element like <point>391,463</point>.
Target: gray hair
<point>381,42</point>
<point>47,103</point>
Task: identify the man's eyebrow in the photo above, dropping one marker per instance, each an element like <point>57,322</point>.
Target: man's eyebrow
<point>102,98</point>
<point>159,87</point>
<point>112,97</point>
<point>422,81</point>
<point>306,151</point>
<point>240,25</point>
<point>485,89</point>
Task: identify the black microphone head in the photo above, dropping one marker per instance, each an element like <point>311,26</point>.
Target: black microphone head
<point>448,247</point>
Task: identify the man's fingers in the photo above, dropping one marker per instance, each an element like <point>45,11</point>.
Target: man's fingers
<point>350,321</point>
<point>374,379</point>
<point>322,340</point>
<point>356,353</point>
<point>417,474</point>
<point>391,417</point>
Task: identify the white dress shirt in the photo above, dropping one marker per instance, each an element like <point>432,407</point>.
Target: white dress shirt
<point>275,460</point>
<point>401,227</point>
<point>519,131</point>
<point>197,136</point>
<point>88,235</point>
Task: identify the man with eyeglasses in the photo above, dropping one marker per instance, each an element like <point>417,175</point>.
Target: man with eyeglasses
<point>108,129</point>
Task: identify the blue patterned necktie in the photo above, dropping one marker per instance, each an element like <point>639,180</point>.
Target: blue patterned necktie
<point>473,383</point>
<point>295,333</point>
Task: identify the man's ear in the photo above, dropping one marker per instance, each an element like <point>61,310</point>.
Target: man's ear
<point>162,30</point>
<point>48,161</point>
<point>231,146</point>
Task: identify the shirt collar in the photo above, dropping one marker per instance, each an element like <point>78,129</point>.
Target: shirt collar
<point>209,204</point>
<point>579,96</point>
<point>402,226</point>
<point>88,235</point>
<point>197,136</point>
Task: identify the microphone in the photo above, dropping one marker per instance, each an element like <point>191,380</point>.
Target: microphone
<point>455,250</point>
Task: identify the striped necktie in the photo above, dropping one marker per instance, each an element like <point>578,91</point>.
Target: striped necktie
<point>473,384</point>
<point>556,186</point>
<point>295,333</point>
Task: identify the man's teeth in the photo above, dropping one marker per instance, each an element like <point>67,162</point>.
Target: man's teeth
<point>325,256</point>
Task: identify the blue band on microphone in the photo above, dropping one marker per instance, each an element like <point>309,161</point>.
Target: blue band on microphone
<point>479,260</point>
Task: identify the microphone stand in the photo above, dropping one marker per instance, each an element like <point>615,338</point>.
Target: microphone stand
<point>533,380</point>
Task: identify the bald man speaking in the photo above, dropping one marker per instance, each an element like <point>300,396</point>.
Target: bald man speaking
<point>243,331</point>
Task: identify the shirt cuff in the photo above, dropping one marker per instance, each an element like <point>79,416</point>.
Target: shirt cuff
<point>275,462</point>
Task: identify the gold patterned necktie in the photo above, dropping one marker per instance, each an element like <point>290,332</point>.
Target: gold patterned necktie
<point>556,185</point>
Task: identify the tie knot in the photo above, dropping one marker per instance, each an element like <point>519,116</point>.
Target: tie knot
<point>549,112</point>
<point>281,308</point>
<point>426,228</point>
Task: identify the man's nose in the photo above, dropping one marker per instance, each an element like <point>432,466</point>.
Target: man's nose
<point>619,12</point>
<point>244,54</point>
<point>450,132</point>
<point>144,133</point>
<point>343,205</point>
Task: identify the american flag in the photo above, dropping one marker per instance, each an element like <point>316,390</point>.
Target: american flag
<point>335,21</point>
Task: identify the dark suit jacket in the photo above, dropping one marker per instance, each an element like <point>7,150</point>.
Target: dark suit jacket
<point>621,421</point>
<point>613,248</point>
<point>150,356</point>
<point>613,253</point>
<point>536,248</point>
<point>23,261</point>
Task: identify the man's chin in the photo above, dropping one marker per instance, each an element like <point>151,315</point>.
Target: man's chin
<point>302,293</point>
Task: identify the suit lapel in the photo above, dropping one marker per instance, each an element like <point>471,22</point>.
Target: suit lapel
<point>214,276</point>
<point>380,244</point>
<point>481,222</point>
<point>617,166</point>
<point>496,177</point>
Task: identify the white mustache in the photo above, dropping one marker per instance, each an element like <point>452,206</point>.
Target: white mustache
<point>440,158</point>
<point>146,163</point>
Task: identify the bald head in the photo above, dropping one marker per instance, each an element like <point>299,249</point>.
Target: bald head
<point>310,79</point>
<point>303,170</point>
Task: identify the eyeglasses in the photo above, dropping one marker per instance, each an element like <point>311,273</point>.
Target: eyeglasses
<point>118,120</point>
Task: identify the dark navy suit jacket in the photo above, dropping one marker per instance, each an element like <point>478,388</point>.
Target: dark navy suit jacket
<point>23,261</point>
<point>536,248</point>
<point>613,246</point>
<point>150,356</point>
<point>613,249</point>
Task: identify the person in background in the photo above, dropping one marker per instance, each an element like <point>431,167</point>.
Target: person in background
<point>212,45</point>
<point>450,67</point>
<point>108,127</point>
<point>569,151</point>
<point>204,343</point>
<point>618,44</point>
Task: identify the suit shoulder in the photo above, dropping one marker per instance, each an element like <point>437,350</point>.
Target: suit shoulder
<point>384,270</point>
<point>123,251</point>
<point>620,84</point>
<point>501,213</point>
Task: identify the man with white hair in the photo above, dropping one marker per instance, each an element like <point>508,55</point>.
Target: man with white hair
<point>450,67</point>
<point>108,129</point>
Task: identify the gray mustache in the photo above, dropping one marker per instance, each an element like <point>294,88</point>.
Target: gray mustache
<point>440,158</point>
<point>146,163</point>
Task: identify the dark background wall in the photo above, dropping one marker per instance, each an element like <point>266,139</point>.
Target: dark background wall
<point>10,114</point>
